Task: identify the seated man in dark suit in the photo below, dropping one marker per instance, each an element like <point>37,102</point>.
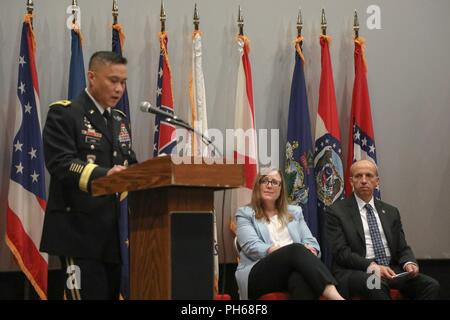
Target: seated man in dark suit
<point>367,240</point>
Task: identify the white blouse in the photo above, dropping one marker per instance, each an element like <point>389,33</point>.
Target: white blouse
<point>279,234</point>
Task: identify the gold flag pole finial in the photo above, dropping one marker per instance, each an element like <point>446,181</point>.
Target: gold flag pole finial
<point>240,22</point>
<point>324,23</point>
<point>196,18</point>
<point>74,5</point>
<point>30,6</point>
<point>356,25</point>
<point>162,17</point>
<point>299,23</point>
<point>115,11</point>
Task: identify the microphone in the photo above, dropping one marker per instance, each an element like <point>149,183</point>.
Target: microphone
<point>146,106</point>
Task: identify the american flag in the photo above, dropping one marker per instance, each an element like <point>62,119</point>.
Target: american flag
<point>164,138</point>
<point>26,194</point>
<point>361,143</point>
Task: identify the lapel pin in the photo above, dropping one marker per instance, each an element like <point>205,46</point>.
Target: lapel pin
<point>91,111</point>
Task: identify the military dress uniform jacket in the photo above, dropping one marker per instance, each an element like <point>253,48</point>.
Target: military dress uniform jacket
<point>79,148</point>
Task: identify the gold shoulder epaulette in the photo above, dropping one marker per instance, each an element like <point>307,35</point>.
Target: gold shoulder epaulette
<point>121,112</point>
<point>64,103</point>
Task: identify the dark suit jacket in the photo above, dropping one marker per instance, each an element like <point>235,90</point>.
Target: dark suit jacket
<point>346,238</point>
<point>79,148</point>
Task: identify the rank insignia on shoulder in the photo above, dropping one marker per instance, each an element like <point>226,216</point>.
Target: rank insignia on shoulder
<point>64,103</point>
<point>120,112</point>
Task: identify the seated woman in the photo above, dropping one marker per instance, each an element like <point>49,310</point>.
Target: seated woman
<point>278,251</point>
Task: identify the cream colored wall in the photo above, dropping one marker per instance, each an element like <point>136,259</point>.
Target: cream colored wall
<point>409,76</point>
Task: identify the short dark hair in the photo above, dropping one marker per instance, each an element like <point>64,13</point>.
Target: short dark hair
<point>106,57</point>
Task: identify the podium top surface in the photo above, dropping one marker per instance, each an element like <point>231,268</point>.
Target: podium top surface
<point>163,172</point>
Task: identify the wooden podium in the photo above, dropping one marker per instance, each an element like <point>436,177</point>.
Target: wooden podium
<point>171,224</point>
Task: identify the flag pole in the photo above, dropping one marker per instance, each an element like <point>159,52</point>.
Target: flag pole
<point>162,17</point>
<point>115,11</point>
<point>74,5</point>
<point>30,8</point>
<point>192,93</point>
<point>27,285</point>
<point>240,22</point>
<point>196,18</point>
<point>324,23</point>
<point>299,39</point>
<point>356,25</point>
<point>299,23</point>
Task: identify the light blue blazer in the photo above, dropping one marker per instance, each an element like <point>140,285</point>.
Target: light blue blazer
<point>254,239</point>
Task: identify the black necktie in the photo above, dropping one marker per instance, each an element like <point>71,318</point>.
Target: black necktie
<point>109,122</point>
<point>377,242</point>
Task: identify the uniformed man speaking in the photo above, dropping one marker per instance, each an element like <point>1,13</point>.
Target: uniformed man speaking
<point>85,139</point>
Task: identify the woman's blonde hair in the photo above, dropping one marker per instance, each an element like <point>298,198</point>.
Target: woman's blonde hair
<point>281,204</point>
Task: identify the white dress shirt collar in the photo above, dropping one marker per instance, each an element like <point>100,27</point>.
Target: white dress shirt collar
<point>362,203</point>
<point>100,108</point>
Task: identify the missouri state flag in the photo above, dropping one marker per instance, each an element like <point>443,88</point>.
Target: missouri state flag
<point>299,163</point>
<point>26,192</point>
<point>328,167</point>
<point>361,144</point>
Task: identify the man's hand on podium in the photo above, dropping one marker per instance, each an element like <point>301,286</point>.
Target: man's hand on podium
<point>115,169</point>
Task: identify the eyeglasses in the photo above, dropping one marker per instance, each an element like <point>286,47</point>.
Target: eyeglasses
<point>273,182</point>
